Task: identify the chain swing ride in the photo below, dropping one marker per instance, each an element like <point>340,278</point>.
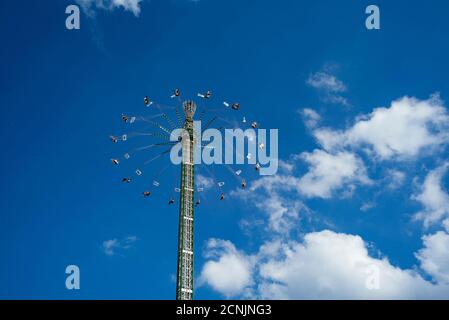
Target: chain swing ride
<point>185,186</point>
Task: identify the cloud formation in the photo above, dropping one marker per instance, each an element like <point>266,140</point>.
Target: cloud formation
<point>335,265</point>
<point>324,265</point>
<point>89,6</point>
<point>434,256</point>
<point>328,86</point>
<point>329,172</point>
<point>266,194</point>
<point>403,130</point>
<point>113,246</point>
<point>228,270</point>
<point>311,117</point>
<point>281,196</point>
<point>204,182</point>
<point>433,197</point>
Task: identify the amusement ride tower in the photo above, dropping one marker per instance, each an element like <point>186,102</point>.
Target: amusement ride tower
<point>184,279</point>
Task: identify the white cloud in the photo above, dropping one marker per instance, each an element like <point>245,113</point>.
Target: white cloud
<point>204,182</point>
<point>329,265</point>
<point>325,265</point>
<point>228,271</point>
<point>329,87</point>
<point>329,172</point>
<point>286,166</point>
<point>434,256</point>
<point>433,197</point>
<point>402,130</point>
<point>266,195</point>
<point>110,247</point>
<point>330,139</point>
<point>367,206</point>
<point>283,213</point>
<point>325,81</point>
<point>336,99</point>
<point>310,116</point>
<point>89,6</point>
<point>446,224</point>
<point>396,179</point>
<point>278,196</point>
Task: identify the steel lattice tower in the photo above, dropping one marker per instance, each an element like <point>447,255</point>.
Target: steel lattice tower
<point>184,282</point>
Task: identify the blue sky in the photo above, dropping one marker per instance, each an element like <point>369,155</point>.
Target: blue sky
<point>359,186</point>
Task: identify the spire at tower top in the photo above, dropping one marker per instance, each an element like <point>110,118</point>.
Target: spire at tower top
<point>189,109</point>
